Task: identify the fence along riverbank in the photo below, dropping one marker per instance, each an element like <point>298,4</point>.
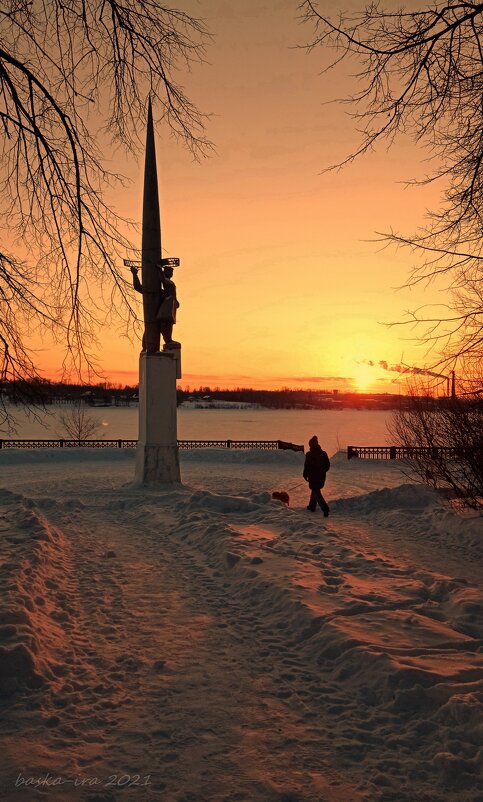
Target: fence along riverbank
<point>404,452</point>
<point>266,445</point>
<point>353,452</point>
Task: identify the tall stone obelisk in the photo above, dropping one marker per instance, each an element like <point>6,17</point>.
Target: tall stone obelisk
<point>157,459</point>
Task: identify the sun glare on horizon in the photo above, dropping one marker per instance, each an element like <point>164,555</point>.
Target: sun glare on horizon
<point>363,376</point>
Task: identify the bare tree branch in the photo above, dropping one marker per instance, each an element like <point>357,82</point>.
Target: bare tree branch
<point>71,72</point>
<point>421,73</point>
<point>446,434</point>
<point>78,423</point>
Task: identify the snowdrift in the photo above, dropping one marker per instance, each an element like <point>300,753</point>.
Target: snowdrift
<point>115,597</point>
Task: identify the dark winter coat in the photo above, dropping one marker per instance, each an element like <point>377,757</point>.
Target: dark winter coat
<point>317,464</point>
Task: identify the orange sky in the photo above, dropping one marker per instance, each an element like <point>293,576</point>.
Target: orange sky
<point>280,284</point>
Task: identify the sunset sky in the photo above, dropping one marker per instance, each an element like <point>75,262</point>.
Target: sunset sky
<point>280,283</point>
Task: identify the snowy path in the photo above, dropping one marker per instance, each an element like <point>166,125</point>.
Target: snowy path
<point>163,672</point>
<point>232,649</point>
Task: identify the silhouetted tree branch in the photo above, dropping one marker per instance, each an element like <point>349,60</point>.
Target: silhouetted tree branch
<point>74,79</point>
<point>78,423</point>
<point>421,73</point>
<point>439,424</point>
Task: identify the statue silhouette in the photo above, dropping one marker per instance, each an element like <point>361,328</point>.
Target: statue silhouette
<point>166,313</point>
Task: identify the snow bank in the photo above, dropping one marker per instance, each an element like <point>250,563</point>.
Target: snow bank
<point>125,599</point>
<point>421,511</point>
<point>396,646</point>
<point>249,456</point>
<point>62,456</point>
<point>219,503</point>
<point>34,560</point>
<point>221,456</point>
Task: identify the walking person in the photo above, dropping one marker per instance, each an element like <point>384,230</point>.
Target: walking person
<point>316,465</point>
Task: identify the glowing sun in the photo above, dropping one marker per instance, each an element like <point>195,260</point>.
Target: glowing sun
<point>363,377</point>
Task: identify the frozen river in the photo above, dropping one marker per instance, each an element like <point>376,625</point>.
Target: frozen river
<point>335,429</point>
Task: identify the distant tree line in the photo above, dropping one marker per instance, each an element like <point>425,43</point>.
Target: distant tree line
<point>44,392</point>
<point>287,398</point>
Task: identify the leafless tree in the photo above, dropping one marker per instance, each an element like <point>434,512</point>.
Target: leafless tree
<point>421,73</point>
<point>74,80</point>
<point>78,423</point>
<point>449,432</point>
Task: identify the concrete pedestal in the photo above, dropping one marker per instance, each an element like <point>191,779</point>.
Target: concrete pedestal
<point>174,348</point>
<point>157,450</point>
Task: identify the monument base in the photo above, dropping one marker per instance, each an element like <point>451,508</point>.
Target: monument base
<point>157,465</point>
<point>174,348</point>
<point>157,459</point>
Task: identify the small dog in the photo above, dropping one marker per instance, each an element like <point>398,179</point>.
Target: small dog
<point>281,496</point>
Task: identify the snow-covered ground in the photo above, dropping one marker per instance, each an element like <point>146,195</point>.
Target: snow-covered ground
<point>208,643</point>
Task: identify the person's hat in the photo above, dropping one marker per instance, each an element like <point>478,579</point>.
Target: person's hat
<point>314,440</point>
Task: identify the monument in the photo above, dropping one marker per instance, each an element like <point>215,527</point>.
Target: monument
<point>157,449</point>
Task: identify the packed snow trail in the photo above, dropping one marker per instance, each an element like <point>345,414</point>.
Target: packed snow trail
<point>189,645</point>
<point>158,682</point>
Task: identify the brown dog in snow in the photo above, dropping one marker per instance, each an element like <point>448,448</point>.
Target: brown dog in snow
<point>281,496</point>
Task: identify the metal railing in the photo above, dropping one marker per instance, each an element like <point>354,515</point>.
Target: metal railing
<point>266,445</point>
<point>404,452</point>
